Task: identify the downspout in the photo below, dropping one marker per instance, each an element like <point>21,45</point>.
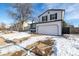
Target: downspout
<point>62,21</point>
<point>61,24</point>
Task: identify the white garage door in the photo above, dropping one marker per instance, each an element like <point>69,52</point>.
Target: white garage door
<point>48,29</point>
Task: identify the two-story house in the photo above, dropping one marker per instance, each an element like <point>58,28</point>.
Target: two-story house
<point>50,22</point>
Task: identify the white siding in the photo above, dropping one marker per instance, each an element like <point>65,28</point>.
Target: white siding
<point>60,15</point>
<point>52,28</point>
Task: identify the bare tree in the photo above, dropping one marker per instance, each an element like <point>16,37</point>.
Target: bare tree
<point>2,26</point>
<point>21,12</point>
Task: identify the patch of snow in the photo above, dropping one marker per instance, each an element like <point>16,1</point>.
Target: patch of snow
<point>15,35</point>
<point>10,49</point>
<point>63,46</point>
<point>66,47</point>
<point>33,40</point>
<point>24,44</point>
<point>1,46</point>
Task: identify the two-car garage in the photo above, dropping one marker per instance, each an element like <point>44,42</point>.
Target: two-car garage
<point>51,28</point>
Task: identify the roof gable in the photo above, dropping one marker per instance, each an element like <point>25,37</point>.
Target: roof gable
<point>52,10</point>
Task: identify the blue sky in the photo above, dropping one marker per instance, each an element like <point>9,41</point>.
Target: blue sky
<point>71,11</point>
<point>4,17</point>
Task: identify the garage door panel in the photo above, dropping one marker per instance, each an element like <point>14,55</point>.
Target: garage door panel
<point>48,29</point>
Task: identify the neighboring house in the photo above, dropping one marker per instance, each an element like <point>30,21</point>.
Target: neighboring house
<point>20,27</point>
<point>26,26</point>
<point>50,22</point>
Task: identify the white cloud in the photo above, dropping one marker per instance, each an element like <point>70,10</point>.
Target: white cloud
<point>72,12</point>
<point>72,16</point>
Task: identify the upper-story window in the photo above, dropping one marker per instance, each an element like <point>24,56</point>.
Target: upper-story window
<point>53,16</point>
<point>44,18</point>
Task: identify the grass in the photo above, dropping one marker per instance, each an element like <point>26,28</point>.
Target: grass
<point>2,41</point>
<point>46,42</point>
<point>18,53</point>
<point>41,48</point>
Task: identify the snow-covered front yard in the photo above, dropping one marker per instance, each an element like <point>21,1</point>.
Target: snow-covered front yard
<point>15,35</point>
<point>10,48</point>
<point>67,46</point>
<point>64,46</point>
